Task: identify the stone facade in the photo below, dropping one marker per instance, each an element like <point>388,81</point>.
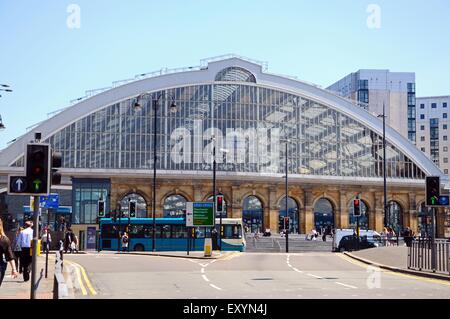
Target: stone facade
<point>270,195</point>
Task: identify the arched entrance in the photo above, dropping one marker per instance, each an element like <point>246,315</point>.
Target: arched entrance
<point>395,216</point>
<point>363,219</point>
<point>292,212</point>
<point>252,214</point>
<point>323,215</point>
<point>175,206</point>
<point>141,204</point>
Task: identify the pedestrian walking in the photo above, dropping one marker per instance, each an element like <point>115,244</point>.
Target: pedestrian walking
<point>6,251</point>
<point>17,250</point>
<point>25,239</point>
<point>46,240</point>
<point>74,244</point>
<point>68,239</point>
<point>125,241</point>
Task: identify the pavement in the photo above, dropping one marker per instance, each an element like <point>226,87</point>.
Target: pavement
<point>392,258</point>
<point>18,289</point>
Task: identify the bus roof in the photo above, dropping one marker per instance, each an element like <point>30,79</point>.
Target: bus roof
<point>164,220</point>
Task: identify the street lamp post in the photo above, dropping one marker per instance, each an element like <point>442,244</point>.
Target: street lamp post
<point>2,126</point>
<point>385,220</point>
<point>173,108</point>
<point>286,186</point>
<point>213,139</point>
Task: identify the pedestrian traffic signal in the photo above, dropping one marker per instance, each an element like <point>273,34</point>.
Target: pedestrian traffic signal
<point>38,168</point>
<point>101,209</point>
<point>219,204</point>
<point>356,208</point>
<point>433,187</point>
<point>132,208</point>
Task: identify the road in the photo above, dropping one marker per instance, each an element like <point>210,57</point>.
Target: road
<point>240,276</point>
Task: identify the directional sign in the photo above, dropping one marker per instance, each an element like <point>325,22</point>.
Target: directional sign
<point>444,200</point>
<point>17,185</point>
<point>199,214</point>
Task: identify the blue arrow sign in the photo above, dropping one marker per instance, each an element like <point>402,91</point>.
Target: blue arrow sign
<point>18,184</point>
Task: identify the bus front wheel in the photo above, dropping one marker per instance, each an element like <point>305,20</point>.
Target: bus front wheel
<point>139,247</point>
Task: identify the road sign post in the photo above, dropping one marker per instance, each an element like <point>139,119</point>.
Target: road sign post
<point>34,247</point>
<point>201,214</point>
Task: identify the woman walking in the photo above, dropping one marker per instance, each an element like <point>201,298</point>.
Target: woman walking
<point>5,250</point>
<point>17,250</point>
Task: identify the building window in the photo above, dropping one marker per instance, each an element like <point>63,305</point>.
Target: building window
<point>445,137</point>
<point>141,205</point>
<point>422,116</point>
<point>174,206</point>
<point>422,138</point>
<point>422,127</point>
<point>445,171</point>
<point>422,106</point>
<point>444,115</point>
<point>444,126</point>
<point>433,105</point>
<point>445,159</point>
<point>422,149</point>
<point>444,104</point>
<point>445,148</point>
<point>86,194</point>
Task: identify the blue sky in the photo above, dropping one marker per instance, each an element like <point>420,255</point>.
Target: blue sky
<point>48,64</point>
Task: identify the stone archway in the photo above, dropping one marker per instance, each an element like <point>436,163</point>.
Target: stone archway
<point>253,214</point>
<point>323,214</point>
<point>174,206</point>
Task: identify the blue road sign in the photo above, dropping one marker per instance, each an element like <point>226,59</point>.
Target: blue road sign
<point>444,200</point>
<point>50,201</point>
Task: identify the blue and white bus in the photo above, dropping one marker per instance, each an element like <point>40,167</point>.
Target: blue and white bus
<point>171,234</point>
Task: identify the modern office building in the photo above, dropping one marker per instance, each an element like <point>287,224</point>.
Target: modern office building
<point>433,130</point>
<point>373,88</point>
<point>335,149</point>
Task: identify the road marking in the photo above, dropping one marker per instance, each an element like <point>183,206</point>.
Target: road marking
<point>295,269</point>
<point>215,287</point>
<point>318,277</point>
<point>345,285</point>
<point>80,282</point>
<point>85,277</point>
<point>205,278</point>
<point>390,272</point>
<point>202,270</point>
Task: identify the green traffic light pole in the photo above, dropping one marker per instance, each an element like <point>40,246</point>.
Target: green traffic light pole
<point>34,246</point>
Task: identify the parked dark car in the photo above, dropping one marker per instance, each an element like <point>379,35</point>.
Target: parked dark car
<point>350,243</point>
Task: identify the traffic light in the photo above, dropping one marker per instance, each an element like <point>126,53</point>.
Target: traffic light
<point>433,188</point>
<point>56,163</point>
<point>219,204</point>
<point>356,208</point>
<point>132,208</point>
<point>101,209</point>
<point>38,168</point>
<point>286,223</point>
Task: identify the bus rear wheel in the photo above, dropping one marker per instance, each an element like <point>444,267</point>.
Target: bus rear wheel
<point>139,247</point>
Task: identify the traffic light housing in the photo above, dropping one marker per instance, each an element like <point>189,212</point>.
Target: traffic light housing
<point>219,204</point>
<point>101,209</point>
<point>286,223</point>
<point>56,163</point>
<point>356,207</point>
<point>38,168</point>
<point>132,208</point>
<point>433,187</point>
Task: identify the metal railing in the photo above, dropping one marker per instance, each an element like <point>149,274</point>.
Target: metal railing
<point>426,255</point>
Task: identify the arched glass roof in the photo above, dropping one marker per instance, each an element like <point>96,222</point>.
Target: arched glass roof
<point>235,74</point>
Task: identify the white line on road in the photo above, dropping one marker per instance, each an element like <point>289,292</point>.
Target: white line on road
<point>215,287</point>
<point>202,270</point>
<point>295,269</point>
<point>205,278</point>
<point>318,277</point>
<point>348,286</point>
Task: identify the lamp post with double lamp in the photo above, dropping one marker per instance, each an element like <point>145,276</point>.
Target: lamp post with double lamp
<point>286,185</point>
<point>137,108</point>
<point>384,165</point>
<point>222,150</point>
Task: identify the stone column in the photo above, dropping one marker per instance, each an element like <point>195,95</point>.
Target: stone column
<point>309,211</point>
<point>379,212</point>
<point>273,210</point>
<point>412,216</point>
<point>342,213</point>
<point>236,207</point>
<point>440,222</point>
<point>373,210</point>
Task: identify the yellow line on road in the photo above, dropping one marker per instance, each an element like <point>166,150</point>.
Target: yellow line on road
<point>79,268</point>
<point>80,281</point>
<point>390,272</point>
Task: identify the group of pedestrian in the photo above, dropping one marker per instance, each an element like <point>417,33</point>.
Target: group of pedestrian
<point>17,253</point>
<point>70,241</point>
